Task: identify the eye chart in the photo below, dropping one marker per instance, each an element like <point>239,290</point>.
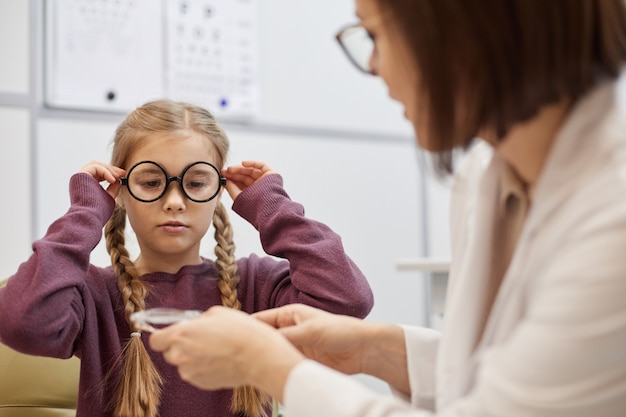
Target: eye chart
<point>112,55</point>
<point>103,55</point>
<point>212,55</point>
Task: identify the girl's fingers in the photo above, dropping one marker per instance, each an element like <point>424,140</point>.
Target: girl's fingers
<point>103,172</point>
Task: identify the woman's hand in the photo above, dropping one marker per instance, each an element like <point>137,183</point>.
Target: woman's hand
<point>226,348</point>
<point>105,172</point>
<point>336,341</point>
<point>242,176</point>
<point>345,343</point>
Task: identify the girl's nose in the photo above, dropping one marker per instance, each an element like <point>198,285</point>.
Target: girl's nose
<point>174,199</point>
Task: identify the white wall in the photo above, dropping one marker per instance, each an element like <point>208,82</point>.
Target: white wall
<point>15,148</point>
<point>14,46</point>
<point>351,185</point>
<point>15,210</point>
<point>350,161</point>
<point>342,146</point>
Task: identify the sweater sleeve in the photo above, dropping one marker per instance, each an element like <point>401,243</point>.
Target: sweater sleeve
<point>318,272</point>
<point>41,307</point>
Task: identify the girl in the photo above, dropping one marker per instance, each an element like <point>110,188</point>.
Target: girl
<point>166,177</point>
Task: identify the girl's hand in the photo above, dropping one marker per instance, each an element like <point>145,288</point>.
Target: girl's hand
<point>105,172</point>
<point>242,176</point>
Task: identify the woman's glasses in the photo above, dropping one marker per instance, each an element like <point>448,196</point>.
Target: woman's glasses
<point>147,181</point>
<point>358,46</point>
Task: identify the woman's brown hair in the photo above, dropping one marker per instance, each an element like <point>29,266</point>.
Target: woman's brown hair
<point>490,64</point>
<point>139,388</point>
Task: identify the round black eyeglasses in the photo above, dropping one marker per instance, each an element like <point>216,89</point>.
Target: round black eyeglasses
<point>147,181</point>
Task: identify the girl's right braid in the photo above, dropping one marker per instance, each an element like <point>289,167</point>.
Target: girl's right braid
<point>246,400</point>
<point>225,252</point>
<point>139,388</point>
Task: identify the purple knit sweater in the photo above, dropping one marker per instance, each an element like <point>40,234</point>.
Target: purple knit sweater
<point>59,305</point>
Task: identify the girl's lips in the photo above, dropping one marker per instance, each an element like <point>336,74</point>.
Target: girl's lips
<point>173,227</point>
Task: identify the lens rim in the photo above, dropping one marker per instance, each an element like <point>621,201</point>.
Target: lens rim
<point>169,179</point>
<point>344,36</point>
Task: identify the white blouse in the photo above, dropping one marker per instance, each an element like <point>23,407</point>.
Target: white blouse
<point>554,343</point>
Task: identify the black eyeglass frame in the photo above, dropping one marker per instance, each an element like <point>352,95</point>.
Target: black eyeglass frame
<point>339,38</point>
<point>170,179</point>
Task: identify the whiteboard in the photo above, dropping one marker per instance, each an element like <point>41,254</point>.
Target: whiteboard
<point>104,56</point>
<point>212,55</point>
<point>308,82</point>
<point>115,55</point>
<point>280,64</point>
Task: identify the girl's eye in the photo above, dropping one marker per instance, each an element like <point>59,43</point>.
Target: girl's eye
<point>195,184</point>
<point>151,184</point>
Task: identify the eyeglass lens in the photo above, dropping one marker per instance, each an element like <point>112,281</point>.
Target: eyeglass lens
<point>358,45</point>
<point>147,181</point>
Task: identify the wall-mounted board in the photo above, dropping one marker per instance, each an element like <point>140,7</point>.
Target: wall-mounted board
<point>271,63</point>
<point>114,55</point>
<point>101,55</point>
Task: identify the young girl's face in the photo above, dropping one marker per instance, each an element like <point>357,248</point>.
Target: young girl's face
<point>169,230</point>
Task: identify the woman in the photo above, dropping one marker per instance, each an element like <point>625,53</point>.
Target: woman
<point>535,322</point>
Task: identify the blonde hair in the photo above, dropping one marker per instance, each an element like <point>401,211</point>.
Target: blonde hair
<point>139,388</point>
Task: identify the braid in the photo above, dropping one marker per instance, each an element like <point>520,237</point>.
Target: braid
<point>225,252</point>
<point>139,390</point>
<point>247,400</point>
